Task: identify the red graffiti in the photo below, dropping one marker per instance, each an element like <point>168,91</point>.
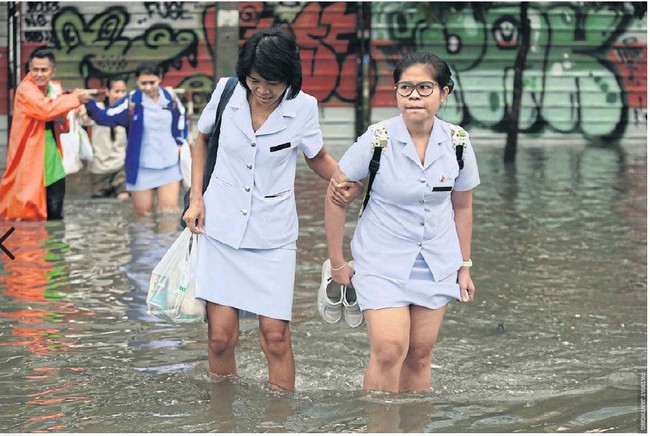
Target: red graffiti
<point>631,59</point>
<point>325,34</point>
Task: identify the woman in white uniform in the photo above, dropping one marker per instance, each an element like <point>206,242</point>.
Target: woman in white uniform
<point>247,217</point>
<point>412,244</point>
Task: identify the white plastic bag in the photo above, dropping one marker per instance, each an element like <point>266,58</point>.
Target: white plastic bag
<point>172,285</point>
<point>70,145</point>
<point>75,144</point>
<point>186,164</point>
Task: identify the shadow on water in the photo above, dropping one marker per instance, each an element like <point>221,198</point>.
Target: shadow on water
<point>555,341</point>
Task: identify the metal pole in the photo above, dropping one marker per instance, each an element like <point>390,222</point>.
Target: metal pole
<point>362,100</point>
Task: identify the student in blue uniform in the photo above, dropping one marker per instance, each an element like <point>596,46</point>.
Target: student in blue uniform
<point>247,217</point>
<point>156,125</point>
<point>412,244</point>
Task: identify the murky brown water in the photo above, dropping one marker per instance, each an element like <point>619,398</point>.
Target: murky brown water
<point>556,340</point>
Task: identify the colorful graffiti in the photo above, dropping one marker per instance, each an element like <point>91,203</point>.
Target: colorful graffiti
<point>585,73</point>
<point>326,35</point>
<point>577,78</point>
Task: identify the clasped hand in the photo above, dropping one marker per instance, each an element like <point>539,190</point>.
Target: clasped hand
<point>344,193</point>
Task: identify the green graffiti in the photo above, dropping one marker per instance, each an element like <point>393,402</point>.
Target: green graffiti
<point>99,48</point>
<point>569,83</point>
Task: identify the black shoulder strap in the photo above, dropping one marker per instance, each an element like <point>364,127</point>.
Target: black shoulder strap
<point>459,139</point>
<point>379,141</point>
<point>459,156</point>
<point>373,168</point>
<point>213,143</point>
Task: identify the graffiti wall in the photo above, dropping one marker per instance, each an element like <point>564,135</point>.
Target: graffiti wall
<point>585,73</point>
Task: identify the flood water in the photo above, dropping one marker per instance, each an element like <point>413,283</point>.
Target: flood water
<point>555,340</point>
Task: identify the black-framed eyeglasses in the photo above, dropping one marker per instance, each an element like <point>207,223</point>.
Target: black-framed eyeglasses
<point>425,89</point>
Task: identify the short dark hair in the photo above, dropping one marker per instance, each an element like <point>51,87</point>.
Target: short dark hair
<point>149,68</point>
<point>274,55</point>
<point>42,53</point>
<point>439,68</point>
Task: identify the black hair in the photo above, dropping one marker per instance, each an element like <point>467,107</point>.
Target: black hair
<point>439,68</point>
<point>109,84</point>
<point>149,68</point>
<point>274,55</point>
<point>42,53</point>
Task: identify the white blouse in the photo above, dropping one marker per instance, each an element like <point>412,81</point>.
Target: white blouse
<point>250,200</point>
<point>410,209</point>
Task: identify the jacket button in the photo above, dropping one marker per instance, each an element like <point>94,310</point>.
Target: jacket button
<point>423,180</point>
<point>252,144</point>
<point>419,244</point>
<point>249,166</point>
<point>421,201</point>
<point>244,212</point>
<point>247,189</point>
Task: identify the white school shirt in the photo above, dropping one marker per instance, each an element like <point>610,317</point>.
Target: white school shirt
<point>410,210</point>
<point>159,148</point>
<point>250,200</point>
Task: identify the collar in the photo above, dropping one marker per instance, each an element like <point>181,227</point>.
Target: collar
<point>439,134</point>
<point>241,114</point>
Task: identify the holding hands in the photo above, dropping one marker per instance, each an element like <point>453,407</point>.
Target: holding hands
<point>83,95</point>
<point>345,192</point>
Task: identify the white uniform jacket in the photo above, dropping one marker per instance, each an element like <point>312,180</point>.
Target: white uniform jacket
<point>410,208</point>
<point>250,202</point>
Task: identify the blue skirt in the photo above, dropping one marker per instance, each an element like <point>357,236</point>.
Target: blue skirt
<point>421,289</point>
<point>152,178</point>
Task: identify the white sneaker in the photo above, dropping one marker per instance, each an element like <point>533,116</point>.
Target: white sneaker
<point>330,296</point>
<point>351,311</point>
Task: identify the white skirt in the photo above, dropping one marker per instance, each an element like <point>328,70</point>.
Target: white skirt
<point>421,289</point>
<point>258,281</point>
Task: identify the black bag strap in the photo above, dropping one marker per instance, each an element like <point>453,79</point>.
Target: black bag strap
<point>459,139</point>
<point>379,142</point>
<point>213,143</point>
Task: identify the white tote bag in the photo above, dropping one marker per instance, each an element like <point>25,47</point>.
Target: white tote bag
<point>172,285</point>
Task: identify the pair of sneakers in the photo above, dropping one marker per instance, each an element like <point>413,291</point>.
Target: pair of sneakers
<point>335,299</point>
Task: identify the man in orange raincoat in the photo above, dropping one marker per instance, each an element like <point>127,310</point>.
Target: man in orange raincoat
<point>33,185</point>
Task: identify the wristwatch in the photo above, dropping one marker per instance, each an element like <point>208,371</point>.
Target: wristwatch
<point>467,263</point>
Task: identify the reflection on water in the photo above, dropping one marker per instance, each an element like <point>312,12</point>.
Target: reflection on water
<point>555,340</point>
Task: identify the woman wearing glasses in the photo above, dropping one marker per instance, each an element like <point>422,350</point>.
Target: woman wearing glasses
<point>412,244</point>
<point>156,127</point>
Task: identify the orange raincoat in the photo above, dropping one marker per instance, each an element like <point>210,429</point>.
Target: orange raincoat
<point>22,188</point>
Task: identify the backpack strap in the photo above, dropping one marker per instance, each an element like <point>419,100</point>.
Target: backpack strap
<point>379,143</point>
<point>213,143</point>
<point>459,139</point>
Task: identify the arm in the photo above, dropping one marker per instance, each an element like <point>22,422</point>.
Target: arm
<point>324,165</point>
<point>335,229</point>
<point>195,215</point>
<point>462,204</point>
<point>36,105</point>
<point>113,116</point>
